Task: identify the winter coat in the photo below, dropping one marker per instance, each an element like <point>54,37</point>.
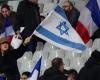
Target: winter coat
<point>53,74</point>
<point>91,73</point>
<point>91,70</point>
<point>28,17</point>
<point>8,63</point>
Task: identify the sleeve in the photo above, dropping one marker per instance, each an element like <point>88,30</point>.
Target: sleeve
<point>1,22</point>
<point>20,15</point>
<point>97,73</point>
<point>17,53</point>
<point>74,17</point>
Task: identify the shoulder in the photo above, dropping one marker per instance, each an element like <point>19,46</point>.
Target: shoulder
<point>1,15</point>
<point>1,18</point>
<point>13,13</point>
<point>48,70</point>
<point>75,10</point>
<point>22,3</point>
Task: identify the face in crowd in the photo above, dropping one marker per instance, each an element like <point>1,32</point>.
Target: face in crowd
<point>67,6</point>
<point>58,63</point>
<point>4,45</point>
<point>24,77</point>
<point>5,10</point>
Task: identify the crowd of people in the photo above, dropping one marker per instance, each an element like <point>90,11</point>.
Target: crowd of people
<point>28,18</point>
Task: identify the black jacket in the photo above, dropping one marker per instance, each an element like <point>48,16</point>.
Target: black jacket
<point>96,34</point>
<point>53,74</point>
<point>91,70</point>
<point>90,73</point>
<point>73,17</point>
<point>27,16</point>
<point>8,63</point>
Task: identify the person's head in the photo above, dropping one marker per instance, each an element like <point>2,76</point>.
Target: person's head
<point>93,59</point>
<point>25,75</point>
<point>4,44</point>
<point>67,5</point>
<point>5,10</point>
<point>72,74</point>
<point>58,63</point>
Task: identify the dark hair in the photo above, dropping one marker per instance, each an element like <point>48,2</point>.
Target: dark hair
<point>93,59</point>
<point>56,62</point>
<point>70,3</point>
<point>72,71</point>
<point>28,74</point>
<point>5,6</point>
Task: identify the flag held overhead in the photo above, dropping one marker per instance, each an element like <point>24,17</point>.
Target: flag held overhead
<point>56,30</point>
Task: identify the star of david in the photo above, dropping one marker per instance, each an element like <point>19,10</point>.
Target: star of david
<point>63,28</point>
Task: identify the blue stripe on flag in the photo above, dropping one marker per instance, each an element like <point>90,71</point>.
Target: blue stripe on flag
<point>60,11</point>
<point>37,67</point>
<point>7,23</point>
<point>95,11</point>
<point>60,40</point>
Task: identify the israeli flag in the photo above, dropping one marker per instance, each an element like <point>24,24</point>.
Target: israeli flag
<point>57,30</point>
<point>36,71</point>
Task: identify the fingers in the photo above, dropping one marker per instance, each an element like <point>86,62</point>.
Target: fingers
<point>27,40</point>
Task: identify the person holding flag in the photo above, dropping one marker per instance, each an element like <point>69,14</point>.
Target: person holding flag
<point>8,59</point>
<point>28,18</point>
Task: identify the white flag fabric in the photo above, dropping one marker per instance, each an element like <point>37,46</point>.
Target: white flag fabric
<point>36,70</point>
<point>56,30</point>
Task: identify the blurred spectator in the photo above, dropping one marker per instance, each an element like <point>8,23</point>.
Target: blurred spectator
<point>91,70</point>
<point>71,12</point>
<point>72,74</point>
<point>25,75</point>
<point>5,11</point>
<point>28,17</point>
<point>8,58</point>
<point>56,71</point>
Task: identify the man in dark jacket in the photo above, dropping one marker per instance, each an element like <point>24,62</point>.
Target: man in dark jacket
<point>28,16</point>
<point>91,70</point>
<point>71,12</point>
<point>8,59</point>
<point>56,72</point>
